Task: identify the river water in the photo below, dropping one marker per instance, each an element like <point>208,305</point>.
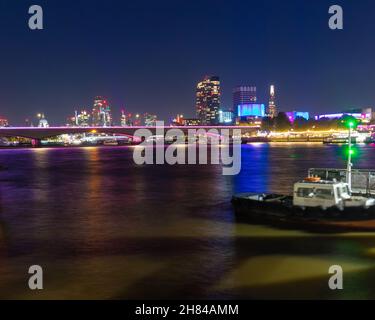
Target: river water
<point>104,228</point>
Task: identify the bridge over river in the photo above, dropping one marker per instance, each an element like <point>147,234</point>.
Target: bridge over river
<point>37,134</point>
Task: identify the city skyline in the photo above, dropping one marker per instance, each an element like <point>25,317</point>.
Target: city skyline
<point>244,104</point>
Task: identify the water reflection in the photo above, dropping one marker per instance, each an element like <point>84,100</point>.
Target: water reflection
<point>103,227</point>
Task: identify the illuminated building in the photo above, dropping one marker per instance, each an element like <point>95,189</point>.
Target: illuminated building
<point>253,109</point>
<point>364,115</point>
<point>191,122</point>
<point>226,117</point>
<point>208,100</point>
<point>150,120</point>
<point>124,120</point>
<point>292,115</point>
<point>4,122</point>
<point>101,113</point>
<point>43,123</point>
<point>244,95</point>
<point>178,120</point>
<point>82,119</point>
<point>272,109</point>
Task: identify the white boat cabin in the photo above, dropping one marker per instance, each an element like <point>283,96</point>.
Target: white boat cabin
<point>324,194</point>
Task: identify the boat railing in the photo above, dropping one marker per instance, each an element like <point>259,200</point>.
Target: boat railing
<point>363,180</point>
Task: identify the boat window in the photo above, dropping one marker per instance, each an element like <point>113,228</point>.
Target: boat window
<point>305,192</point>
<point>324,193</point>
<point>345,190</point>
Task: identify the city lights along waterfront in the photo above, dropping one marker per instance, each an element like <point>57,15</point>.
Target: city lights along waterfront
<point>88,216</point>
<point>257,122</point>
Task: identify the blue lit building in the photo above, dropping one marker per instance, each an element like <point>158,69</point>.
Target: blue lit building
<point>251,110</point>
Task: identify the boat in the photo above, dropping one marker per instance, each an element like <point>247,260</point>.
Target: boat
<point>315,204</point>
<point>110,142</point>
<point>338,140</point>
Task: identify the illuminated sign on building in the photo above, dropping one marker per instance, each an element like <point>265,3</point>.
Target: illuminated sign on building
<point>253,109</point>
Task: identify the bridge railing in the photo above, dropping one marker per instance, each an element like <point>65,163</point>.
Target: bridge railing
<point>363,180</point>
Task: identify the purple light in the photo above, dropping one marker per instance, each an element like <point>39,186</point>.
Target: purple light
<point>340,115</point>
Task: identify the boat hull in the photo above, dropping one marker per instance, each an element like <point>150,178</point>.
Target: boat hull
<point>283,214</point>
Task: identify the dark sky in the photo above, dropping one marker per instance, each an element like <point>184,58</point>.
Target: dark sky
<point>147,56</point>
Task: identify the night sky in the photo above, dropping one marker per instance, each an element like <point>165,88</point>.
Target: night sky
<point>147,56</point>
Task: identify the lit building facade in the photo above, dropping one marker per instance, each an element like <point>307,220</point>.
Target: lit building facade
<point>272,108</point>
<point>253,109</point>
<point>364,115</point>
<point>81,119</point>
<point>244,95</point>
<point>208,97</point>
<point>292,115</point>
<point>101,113</point>
<point>226,117</point>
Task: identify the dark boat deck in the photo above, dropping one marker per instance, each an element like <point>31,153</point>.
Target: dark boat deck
<point>278,211</point>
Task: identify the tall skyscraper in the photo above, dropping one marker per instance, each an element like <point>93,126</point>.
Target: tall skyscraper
<point>208,100</point>
<point>244,95</point>
<point>272,109</point>
<point>101,113</point>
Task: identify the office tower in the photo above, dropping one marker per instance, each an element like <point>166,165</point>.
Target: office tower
<point>244,95</point>
<point>208,100</point>
<point>101,113</point>
<point>272,109</point>
<point>82,119</point>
